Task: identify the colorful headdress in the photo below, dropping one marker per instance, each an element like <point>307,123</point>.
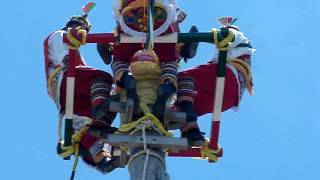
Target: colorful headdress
<point>228,22</point>
<point>82,19</point>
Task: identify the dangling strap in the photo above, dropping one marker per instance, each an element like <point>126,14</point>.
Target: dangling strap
<point>150,36</point>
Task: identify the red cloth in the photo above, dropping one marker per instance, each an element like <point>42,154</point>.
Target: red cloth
<point>165,51</point>
<point>205,84</point>
<point>84,76</point>
<point>82,101</point>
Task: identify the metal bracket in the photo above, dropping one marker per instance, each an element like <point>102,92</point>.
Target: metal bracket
<point>122,155</point>
<point>171,143</point>
<point>174,120</point>
<point>124,108</point>
<point>171,119</point>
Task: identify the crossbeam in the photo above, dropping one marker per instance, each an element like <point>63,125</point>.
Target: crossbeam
<point>170,38</point>
<point>171,143</point>
<point>191,152</point>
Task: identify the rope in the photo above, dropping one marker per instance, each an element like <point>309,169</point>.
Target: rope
<point>126,128</point>
<point>74,148</point>
<point>75,43</point>
<point>245,69</point>
<point>150,39</point>
<point>149,124</point>
<point>207,152</point>
<point>60,128</point>
<point>155,154</point>
<point>147,75</point>
<point>53,76</point>
<point>224,44</point>
<point>144,137</point>
<point>144,13</point>
<point>145,166</point>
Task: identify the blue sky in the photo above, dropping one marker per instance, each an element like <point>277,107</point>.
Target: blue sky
<point>275,134</point>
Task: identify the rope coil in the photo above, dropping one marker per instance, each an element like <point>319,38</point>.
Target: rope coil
<point>224,44</point>
<point>207,152</point>
<point>128,127</point>
<point>245,69</point>
<point>74,42</point>
<point>74,148</point>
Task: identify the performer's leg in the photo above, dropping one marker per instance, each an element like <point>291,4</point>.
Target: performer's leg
<point>100,100</point>
<point>205,83</point>
<point>125,80</point>
<point>167,87</point>
<point>190,130</point>
<point>98,153</point>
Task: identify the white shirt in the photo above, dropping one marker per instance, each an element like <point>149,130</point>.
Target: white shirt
<point>234,51</point>
<point>57,50</point>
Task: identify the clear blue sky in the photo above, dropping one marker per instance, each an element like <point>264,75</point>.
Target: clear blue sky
<point>275,134</point>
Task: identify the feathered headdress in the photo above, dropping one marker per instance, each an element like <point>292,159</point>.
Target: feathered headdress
<point>228,22</point>
<point>83,19</point>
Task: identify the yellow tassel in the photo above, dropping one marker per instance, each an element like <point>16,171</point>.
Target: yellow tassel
<point>51,78</point>
<point>245,69</point>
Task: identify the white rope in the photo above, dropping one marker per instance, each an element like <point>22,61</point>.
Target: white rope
<point>146,151</point>
<point>60,127</point>
<point>146,165</point>
<point>155,154</point>
<point>144,137</point>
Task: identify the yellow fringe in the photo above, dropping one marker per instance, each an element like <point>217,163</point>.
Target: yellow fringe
<point>51,78</point>
<point>245,69</point>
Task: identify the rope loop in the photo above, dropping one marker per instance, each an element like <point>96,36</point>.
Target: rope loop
<point>127,127</point>
<point>207,152</point>
<point>74,148</point>
<point>225,43</point>
<point>74,41</point>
